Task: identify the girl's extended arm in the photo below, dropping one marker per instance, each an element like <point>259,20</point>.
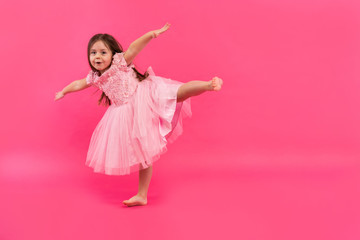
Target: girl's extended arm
<point>136,46</point>
<point>76,85</point>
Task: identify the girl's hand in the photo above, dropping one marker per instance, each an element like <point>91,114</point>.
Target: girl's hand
<point>156,33</point>
<point>59,95</point>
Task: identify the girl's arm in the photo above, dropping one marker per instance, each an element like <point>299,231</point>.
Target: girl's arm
<point>76,85</point>
<point>136,46</point>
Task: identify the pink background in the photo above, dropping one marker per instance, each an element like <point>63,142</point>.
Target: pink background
<point>273,155</point>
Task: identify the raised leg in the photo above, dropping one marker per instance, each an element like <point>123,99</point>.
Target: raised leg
<point>144,181</point>
<point>194,88</point>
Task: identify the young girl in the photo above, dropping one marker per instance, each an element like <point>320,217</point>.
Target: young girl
<point>145,111</point>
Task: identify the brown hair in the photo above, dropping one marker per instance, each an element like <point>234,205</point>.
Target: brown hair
<point>114,47</point>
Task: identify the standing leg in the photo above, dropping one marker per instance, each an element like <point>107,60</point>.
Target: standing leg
<point>194,88</point>
<point>144,181</point>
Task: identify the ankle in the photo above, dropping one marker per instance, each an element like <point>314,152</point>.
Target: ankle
<point>142,195</point>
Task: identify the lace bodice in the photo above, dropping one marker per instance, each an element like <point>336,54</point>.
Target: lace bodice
<point>119,82</point>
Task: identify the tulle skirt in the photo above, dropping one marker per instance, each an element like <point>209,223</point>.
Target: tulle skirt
<point>137,132</point>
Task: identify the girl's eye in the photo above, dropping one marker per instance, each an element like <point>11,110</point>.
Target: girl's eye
<point>102,53</point>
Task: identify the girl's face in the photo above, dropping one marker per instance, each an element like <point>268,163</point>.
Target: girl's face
<point>100,56</point>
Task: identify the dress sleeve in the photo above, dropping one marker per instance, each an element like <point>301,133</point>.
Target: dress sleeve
<point>120,62</point>
<point>90,78</point>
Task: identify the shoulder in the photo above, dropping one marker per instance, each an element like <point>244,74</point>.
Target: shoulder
<point>120,60</point>
<point>123,57</point>
<point>90,78</point>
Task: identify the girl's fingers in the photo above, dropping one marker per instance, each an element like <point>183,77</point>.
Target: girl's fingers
<point>163,29</point>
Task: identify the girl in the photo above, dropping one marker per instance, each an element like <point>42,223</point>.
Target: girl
<point>145,111</point>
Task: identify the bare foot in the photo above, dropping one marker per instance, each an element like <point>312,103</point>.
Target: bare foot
<point>216,83</point>
<point>135,201</point>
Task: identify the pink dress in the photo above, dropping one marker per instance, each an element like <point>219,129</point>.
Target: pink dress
<point>142,118</point>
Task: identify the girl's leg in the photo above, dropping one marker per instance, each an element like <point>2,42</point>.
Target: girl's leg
<point>185,91</point>
<point>194,88</point>
<point>144,181</point>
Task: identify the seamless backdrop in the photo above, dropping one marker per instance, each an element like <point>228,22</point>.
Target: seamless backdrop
<point>272,154</point>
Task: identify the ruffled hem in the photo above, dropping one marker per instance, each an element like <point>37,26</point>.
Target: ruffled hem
<point>134,135</point>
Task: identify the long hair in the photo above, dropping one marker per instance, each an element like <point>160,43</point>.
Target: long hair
<point>114,47</point>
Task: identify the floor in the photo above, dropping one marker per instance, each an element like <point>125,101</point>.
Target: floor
<point>47,195</point>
